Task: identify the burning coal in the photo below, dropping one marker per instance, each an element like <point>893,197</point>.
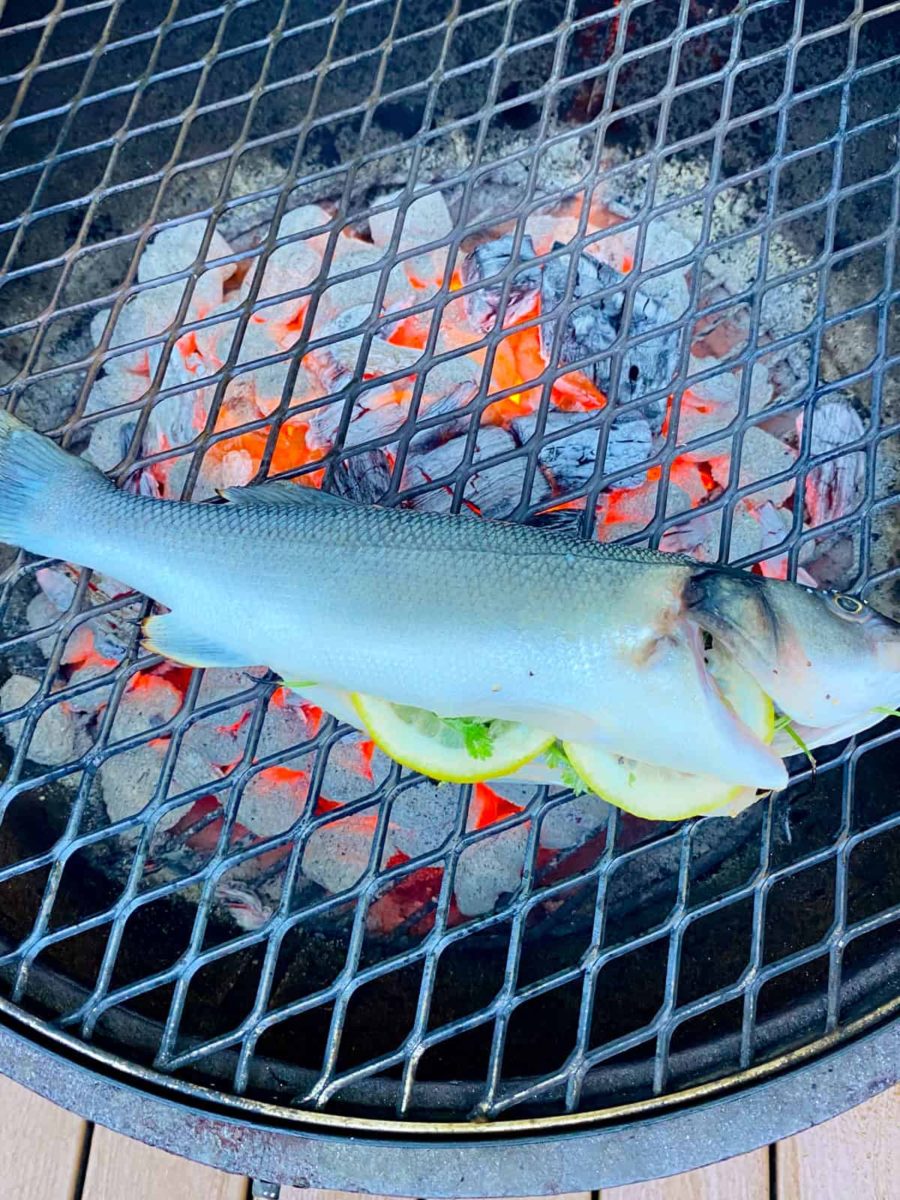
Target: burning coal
<point>559,389</point>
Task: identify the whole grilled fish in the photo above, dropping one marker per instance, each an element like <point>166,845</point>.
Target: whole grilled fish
<point>461,616</point>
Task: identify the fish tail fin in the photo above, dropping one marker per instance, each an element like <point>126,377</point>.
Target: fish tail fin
<point>34,471</point>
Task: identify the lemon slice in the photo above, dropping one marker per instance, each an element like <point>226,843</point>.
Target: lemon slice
<point>661,794</point>
<point>644,790</point>
<point>426,742</point>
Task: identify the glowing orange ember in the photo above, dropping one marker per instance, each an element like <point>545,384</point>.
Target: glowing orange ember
<point>487,807</point>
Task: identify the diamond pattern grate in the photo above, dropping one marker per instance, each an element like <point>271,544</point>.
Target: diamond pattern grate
<point>119,120</point>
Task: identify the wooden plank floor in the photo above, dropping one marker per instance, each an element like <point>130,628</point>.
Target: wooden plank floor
<point>47,1154</point>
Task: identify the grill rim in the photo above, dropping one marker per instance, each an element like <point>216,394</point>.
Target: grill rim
<point>838,1040</point>
<point>729,1079</point>
<point>690,1136</point>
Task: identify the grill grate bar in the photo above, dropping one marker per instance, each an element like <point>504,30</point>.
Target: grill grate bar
<point>500,35</point>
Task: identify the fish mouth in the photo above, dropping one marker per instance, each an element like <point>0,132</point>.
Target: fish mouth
<point>884,638</point>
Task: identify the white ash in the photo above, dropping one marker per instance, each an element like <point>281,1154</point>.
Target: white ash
<point>833,561</point>
<point>423,817</point>
<point>270,805</point>
<point>352,769</point>
<point>490,868</point>
<point>425,220</point>
<point>734,267</point>
<point>89,704</point>
<point>219,739</point>
<point>220,684</point>
<point>757,529</point>
<point>634,510</point>
<point>455,378</point>
<point>250,906</point>
<point>377,413</point>
<point>337,854</point>
<point>356,294</point>
<point>234,469</point>
<point>834,488</point>
<point>677,500</point>
<point>129,781</point>
<point>57,737</point>
<point>109,633</point>
<point>305,219</point>
<point>663,244</point>
<point>176,248</point>
<point>339,851</point>
<point>111,440</point>
<point>42,613</point>
<point>695,423</point>
<point>724,386</point>
<point>698,535</point>
<point>571,823</point>
<point>141,708</point>
<point>285,725</point>
<point>762,456</point>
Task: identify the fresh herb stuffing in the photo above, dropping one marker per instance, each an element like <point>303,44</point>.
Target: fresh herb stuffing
<point>557,759</point>
<point>477,736</point>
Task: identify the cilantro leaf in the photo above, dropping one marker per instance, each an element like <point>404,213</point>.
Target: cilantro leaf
<point>476,735</point>
<point>557,760</point>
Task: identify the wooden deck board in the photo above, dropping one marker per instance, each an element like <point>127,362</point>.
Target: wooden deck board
<point>40,1146</point>
<point>742,1178</point>
<point>854,1157</point>
<point>318,1194</point>
<point>121,1169</point>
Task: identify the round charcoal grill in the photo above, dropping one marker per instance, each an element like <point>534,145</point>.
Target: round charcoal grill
<point>293,959</point>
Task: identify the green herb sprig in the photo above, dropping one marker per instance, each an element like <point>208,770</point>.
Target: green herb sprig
<point>477,736</point>
<point>557,760</point>
<point>784,722</point>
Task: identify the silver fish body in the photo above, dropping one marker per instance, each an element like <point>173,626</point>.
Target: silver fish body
<point>460,616</point>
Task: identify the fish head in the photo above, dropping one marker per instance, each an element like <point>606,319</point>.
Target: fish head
<point>824,657</point>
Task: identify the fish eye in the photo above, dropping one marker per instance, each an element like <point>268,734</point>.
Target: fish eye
<point>848,606</point>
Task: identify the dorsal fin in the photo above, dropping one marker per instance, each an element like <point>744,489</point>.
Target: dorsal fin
<point>279,491</point>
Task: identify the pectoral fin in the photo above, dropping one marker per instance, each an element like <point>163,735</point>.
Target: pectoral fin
<point>166,635</point>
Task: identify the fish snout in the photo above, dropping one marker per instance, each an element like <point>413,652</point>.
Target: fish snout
<point>884,638</point>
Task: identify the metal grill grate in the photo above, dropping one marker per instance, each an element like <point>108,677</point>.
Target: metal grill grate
<point>772,937</point>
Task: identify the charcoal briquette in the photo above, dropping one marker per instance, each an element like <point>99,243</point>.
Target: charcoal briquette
<point>592,328</point>
<point>363,477</point>
<point>489,259</point>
